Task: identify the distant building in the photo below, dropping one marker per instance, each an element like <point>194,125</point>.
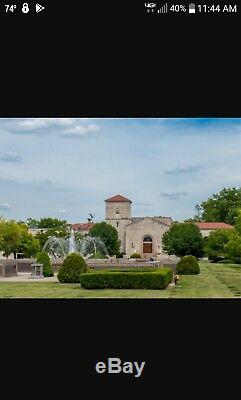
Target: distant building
<point>207,227</point>
<point>141,235</point>
<point>82,228</point>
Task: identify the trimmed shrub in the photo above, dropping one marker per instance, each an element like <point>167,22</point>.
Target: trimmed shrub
<point>188,265</point>
<point>135,255</point>
<point>43,258</point>
<point>132,269</point>
<point>127,280</point>
<point>73,266</point>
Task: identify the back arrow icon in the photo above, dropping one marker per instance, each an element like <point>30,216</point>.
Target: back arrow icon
<point>39,8</point>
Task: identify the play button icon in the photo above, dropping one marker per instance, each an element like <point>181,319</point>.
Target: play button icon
<point>39,8</point>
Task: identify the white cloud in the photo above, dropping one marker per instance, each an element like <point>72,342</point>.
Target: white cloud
<point>173,195</point>
<point>31,123</point>
<point>11,157</point>
<point>5,206</point>
<point>63,211</point>
<point>67,127</point>
<point>80,130</point>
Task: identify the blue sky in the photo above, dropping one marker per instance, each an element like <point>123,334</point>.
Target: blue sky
<point>66,167</point>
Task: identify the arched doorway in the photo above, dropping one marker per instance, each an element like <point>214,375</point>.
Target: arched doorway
<point>147,244</point>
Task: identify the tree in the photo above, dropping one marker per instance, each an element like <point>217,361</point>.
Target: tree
<point>43,258</point>
<point>183,239</point>
<point>108,234</point>
<point>238,223</point>
<point>46,223</point>
<point>52,223</point>
<point>43,236</point>
<point>221,207</point>
<point>28,245</point>
<point>233,247</point>
<point>215,242</point>
<point>32,223</point>
<point>10,234</point>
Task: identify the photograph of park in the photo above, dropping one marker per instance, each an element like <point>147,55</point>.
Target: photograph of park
<point>120,208</point>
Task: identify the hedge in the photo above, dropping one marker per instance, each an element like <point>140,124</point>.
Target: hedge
<point>127,280</point>
<point>188,265</point>
<point>135,269</point>
<point>74,264</point>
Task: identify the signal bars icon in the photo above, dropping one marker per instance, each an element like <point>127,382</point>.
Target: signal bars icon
<point>163,9</point>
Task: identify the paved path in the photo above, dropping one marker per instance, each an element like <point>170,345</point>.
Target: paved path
<point>27,277</point>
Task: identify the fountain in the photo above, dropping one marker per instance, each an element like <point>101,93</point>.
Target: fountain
<point>72,246</point>
<point>87,246</point>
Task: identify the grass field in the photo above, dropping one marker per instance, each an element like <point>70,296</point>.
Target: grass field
<point>214,281</point>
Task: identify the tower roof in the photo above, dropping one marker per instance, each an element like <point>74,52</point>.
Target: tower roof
<point>118,199</point>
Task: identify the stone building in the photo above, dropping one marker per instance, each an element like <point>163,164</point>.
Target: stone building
<point>141,235</point>
<point>207,227</point>
<point>82,228</point>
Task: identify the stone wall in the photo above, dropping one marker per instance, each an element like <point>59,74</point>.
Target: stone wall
<point>136,231</point>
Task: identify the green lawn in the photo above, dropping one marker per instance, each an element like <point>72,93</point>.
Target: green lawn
<point>214,281</point>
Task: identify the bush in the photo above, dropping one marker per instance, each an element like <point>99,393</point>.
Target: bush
<point>135,255</point>
<point>225,261</point>
<point>73,266</point>
<point>127,280</point>
<point>188,265</point>
<point>43,258</point>
<point>98,255</point>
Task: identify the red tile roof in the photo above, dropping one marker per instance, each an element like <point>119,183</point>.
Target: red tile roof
<point>213,225</point>
<point>82,226</point>
<point>118,198</point>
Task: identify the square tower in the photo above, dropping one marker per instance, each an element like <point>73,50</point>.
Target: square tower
<point>118,214</point>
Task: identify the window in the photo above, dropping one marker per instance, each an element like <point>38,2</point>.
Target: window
<point>147,239</point>
<point>117,224</point>
<point>117,211</point>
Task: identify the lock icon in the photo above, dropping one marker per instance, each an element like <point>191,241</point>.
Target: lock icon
<point>25,8</point>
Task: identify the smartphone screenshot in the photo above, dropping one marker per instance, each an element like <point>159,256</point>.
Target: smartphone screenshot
<point>120,198</point>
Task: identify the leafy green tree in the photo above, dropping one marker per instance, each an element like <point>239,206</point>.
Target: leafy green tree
<point>32,223</point>
<point>79,236</point>
<point>183,239</point>
<point>28,245</point>
<point>108,234</point>
<point>46,223</point>
<point>233,247</point>
<point>52,223</point>
<point>57,232</point>
<point>10,234</point>
<point>43,258</point>
<point>221,207</point>
<point>214,243</point>
<point>238,223</point>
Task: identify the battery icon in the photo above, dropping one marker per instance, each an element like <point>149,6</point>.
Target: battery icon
<point>191,8</point>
